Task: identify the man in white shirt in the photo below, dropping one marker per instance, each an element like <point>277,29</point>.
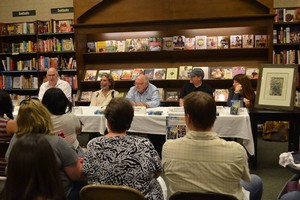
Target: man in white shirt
<point>55,81</point>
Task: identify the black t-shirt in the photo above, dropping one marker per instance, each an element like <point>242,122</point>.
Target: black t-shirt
<point>189,87</point>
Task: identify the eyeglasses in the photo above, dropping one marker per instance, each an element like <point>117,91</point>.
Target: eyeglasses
<point>27,101</point>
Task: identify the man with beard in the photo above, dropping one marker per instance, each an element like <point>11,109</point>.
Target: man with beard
<point>102,97</point>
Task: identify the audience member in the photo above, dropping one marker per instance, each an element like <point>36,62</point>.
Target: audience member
<point>195,84</point>
<point>121,159</point>
<point>294,195</point>
<point>8,126</point>
<point>65,124</point>
<point>55,81</point>
<point>32,171</point>
<point>242,90</point>
<point>203,162</point>
<point>143,93</point>
<point>102,97</point>
<point>34,118</point>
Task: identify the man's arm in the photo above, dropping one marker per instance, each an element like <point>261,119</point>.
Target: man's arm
<point>181,102</point>
<point>130,96</point>
<point>42,91</point>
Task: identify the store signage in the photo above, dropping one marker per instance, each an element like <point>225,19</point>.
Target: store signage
<point>62,10</point>
<point>23,13</point>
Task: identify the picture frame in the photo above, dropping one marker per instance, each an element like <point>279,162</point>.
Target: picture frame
<point>276,87</point>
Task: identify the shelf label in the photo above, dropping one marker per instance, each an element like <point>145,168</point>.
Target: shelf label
<point>24,13</point>
<point>62,10</point>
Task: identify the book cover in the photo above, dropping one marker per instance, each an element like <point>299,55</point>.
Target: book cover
<point>142,44</point>
<point>121,44</point>
<point>252,72</point>
<point>184,72</point>
<point>290,15</point>
<point>126,74</point>
<point>130,45</point>
<point>43,26</point>
<point>201,42</point>
<point>91,46</point>
<point>212,42</point>
<point>159,74</point>
<point>190,43</point>
<point>110,46</point>
<point>216,72</point>
<point>261,41</point>
<point>149,73</point>
<point>176,127</point>
<point>236,41</point>
<point>221,95</point>
<point>102,71</point>
<point>90,75</point>
<point>171,95</point>
<point>64,26</point>
<point>155,43</point>
<point>16,84</point>
<point>116,74</point>
<point>172,73</point>
<point>178,42</point>
<point>238,70</point>
<point>86,96</point>
<point>67,44</point>
<point>248,41</point>
<point>227,72</point>
<point>223,42</point>
<point>167,43</point>
<point>100,46</point>
<point>136,72</point>
<point>205,70</point>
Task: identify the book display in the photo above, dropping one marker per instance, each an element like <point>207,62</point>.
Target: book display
<point>170,39</point>
<point>28,49</point>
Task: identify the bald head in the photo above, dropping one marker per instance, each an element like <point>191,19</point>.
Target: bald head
<point>141,83</point>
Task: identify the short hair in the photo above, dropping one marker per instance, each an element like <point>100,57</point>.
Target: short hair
<point>110,79</point>
<point>119,113</point>
<point>6,105</point>
<point>201,107</point>
<point>56,101</point>
<point>33,117</point>
<point>32,170</point>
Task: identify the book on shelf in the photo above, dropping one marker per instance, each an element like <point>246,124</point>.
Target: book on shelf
<point>216,72</point>
<point>252,72</point>
<point>67,44</point>
<point>136,72</point>
<point>221,95</point>
<point>227,71</point>
<point>159,74</point>
<point>121,45</point>
<point>205,70</point>
<point>64,26</point>
<point>223,42</point>
<point>16,84</point>
<point>116,74</point>
<point>238,70</point>
<point>126,74</point>
<point>201,42</point>
<point>100,46</point>
<point>172,73</point>
<point>178,42</point>
<point>43,26</point>
<point>261,41</point>
<point>86,96</point>
<point>184,72</point>
<point>91,47</point>
<point>171,95</point>
<point>212,42</point>
<point>110,46</point>
<point>149,72</point>
<point>102,71</point>
<point>176,127</point>
<point>142,44</point>
<point>167,44</point>
<point>248,41</point>
<point>155,43</point>
<point>190,43</point>
<point>90,75</point>
<point>130,45</point>
<point>290,15</point>
<point>235,41</point>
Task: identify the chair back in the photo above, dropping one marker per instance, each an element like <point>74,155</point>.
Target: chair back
<point>201,196</point>
<point>111,192</point>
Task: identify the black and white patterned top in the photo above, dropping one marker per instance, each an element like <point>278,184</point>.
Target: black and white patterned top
<point>124,160</point>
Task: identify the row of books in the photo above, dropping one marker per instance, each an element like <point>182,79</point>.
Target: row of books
<point>20,47</point>
<point>286,35</point>
<point>55,44</point>
<point>287,14</point>
<point>286,57</point>
<point>18,82</point>
<point>183,72</point>
<point>179,43</point>
<point>39,26</point>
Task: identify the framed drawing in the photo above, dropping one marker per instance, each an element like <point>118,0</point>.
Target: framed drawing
<point>276,87</point>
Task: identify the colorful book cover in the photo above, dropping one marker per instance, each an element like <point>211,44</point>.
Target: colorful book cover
<point>176,127</point>
<point>201,41</point>
<point>149,73</point>
<point>110,46</point>
<point>90,75</point>
<point>172,73</point>
<point>190,43</point>
<point>236,41</point>
<point>261,41</point>
<point>102,71</point>
<point>142,44</point>
<point>130,45</point>
<point>121,44</point>
<point>216,72</point>
<point>159,74</point>
<point>205,70</point>
<point>86,96</point>
<point>227,72</point>
<point>100,46</point>
<point>238,70</point>
<point>248,41</point>
<point>168,44</point>
<point>155,43</point>
<point>116,74</point>
<point>212,42</point>
<point>223,42</point>
<point>252,72</point>
<point>184,72</point>
<point>64,26</point>
<point>126,74</point>
<point>221,95</point>
<point>178,42</point>
<point>136,72</point>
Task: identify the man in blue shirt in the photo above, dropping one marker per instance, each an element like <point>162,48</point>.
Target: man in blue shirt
<point>143,93</point>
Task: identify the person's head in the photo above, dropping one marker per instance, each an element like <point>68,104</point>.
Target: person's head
<point>107,82</point>
<point>56,101</point>
<point>141,83</point>
<point>119,115</point>
<point>32,171</point>
<point>197,75</point>
<point>247,90</point>
<point>52,76</point>
<point>33,117</point>
<point>179,39</point>
<point>200,111</point>
<point>6,105</point>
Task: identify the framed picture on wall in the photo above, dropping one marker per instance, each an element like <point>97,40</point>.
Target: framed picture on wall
<point>276,87</point>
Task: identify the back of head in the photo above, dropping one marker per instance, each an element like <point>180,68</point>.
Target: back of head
<point>56,101</point>
<point>119,114</point>
<point>32,171</point>
<point>6,106</point>
<point>201,108</point>
<point>33,117</point>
